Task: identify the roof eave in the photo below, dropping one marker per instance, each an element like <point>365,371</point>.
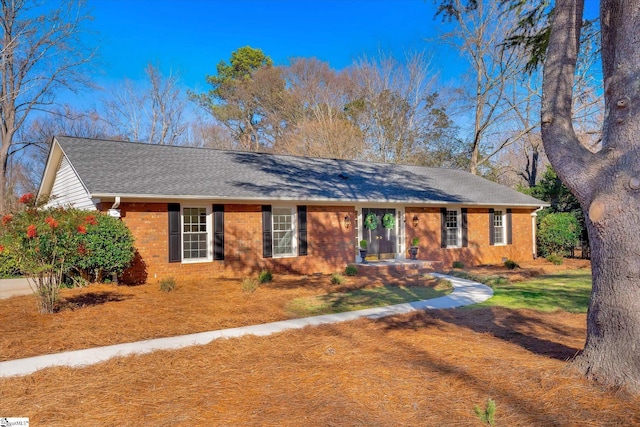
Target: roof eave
<point>164,197</point>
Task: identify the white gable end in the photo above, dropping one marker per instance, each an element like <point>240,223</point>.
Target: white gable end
<point>68,190</point>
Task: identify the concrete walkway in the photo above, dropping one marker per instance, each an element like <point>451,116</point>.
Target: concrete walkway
<point>14,287</point>
<point>464,292</point>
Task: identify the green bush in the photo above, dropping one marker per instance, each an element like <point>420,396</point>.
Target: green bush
<point>8,265</point>
<point>168,284</point>
<point>351,270</point>
<point>107,246</point>
<point>458,264</point>
<point>337,279</point>
<point>558,233</point>
<point>511,264</point>
<point>265,276</point>
<point>555,259</point>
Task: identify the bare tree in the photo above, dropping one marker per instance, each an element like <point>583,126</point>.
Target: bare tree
<point>494,71</point>
<point>606,182</point>
<point>396,107</point>
<point>153,113</point>
<point>41,54</point>
<point>29,156</point>
<point>317,123</point>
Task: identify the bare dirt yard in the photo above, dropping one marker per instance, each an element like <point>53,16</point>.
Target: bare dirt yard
<point>425,368</point>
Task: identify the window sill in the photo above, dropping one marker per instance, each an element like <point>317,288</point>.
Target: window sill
<point>284,256</point>
<point>196,260</point>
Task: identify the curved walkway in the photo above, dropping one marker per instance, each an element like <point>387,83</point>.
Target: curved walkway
<point>465,292</point>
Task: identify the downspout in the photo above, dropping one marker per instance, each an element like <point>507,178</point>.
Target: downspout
<point>114,211</point>
<point>534,227</point>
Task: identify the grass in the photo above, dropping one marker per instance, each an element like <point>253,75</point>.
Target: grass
<point>337,302</point>
<point>568,291</point>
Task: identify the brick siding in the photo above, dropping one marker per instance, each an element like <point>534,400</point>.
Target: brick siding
<point>479,251</point>
<point>331,245</point>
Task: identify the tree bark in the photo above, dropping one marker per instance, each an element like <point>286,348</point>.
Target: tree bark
<point>606,183</point>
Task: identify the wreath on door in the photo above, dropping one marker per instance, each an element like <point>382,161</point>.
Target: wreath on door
<point>371,221</point>
<point>388,221</point>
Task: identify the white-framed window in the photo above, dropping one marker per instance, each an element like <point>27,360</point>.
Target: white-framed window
<point>452,228</point>
<point>196,234</point>
<point>499,227</point>
<point>283,223</point>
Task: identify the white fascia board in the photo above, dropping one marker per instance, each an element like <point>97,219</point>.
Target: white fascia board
<point>172,197</point>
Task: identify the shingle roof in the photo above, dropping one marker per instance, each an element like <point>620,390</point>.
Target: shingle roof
<point>114,168</point>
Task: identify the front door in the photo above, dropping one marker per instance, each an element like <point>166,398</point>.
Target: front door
<point>381,242</point>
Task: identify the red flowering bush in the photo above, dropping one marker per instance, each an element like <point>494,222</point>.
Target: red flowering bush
<point>49,244</point>
<point>26,199</point>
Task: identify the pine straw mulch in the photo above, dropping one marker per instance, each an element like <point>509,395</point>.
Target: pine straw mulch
<point>424,368</point>
<point>100,314</point>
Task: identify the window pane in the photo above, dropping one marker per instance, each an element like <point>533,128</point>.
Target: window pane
<point>283,231</point>
<point>498,229</point>
<point>195,236</point>
<point>451,224</point>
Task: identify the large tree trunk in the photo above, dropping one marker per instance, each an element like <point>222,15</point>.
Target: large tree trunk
<point>606,183</point>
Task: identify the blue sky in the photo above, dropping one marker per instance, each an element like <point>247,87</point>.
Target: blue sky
<point>191,36</point>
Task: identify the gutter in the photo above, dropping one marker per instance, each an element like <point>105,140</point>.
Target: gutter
<point>165,197</point>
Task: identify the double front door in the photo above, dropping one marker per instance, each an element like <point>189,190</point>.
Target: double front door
<point>381,242</point>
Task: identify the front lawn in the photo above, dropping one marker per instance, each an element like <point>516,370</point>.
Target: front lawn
<point>568,290</point>
<point>422,368</point>
<point>379,296</point>
<point>103,314</point>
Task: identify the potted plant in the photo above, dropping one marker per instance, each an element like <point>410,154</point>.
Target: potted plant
<point>413,250</point>
<point>363,250</point>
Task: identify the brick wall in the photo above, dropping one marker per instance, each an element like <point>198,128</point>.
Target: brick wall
<point>478,251</point>
<point>329,248</point>
<point>331,245</point>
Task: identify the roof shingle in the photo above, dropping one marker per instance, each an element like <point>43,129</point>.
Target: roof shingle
<point>114,168</point>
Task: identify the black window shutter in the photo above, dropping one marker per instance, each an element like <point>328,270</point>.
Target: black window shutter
<point>492,237</point>
<point>465,227</point>
<point>509,232</point>
<point>218,232</point>
<point>302,230</point>
<point>443,227</point>
<point>267,249</point>
<point>175,234</point>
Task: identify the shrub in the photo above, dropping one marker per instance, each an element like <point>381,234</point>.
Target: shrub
<point>8,264</point>
<point>555,259</point>
<point>249,285</point>
<point>558,233</point>
<point>511,264</point>
<point>48,244</point>
<point>363,244</point>
<point>351,270</point>
<point>337,279</point>
<point>108,246</point>
<point>265,276</point>
<point>168,284</point>
<point>458,264</point>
